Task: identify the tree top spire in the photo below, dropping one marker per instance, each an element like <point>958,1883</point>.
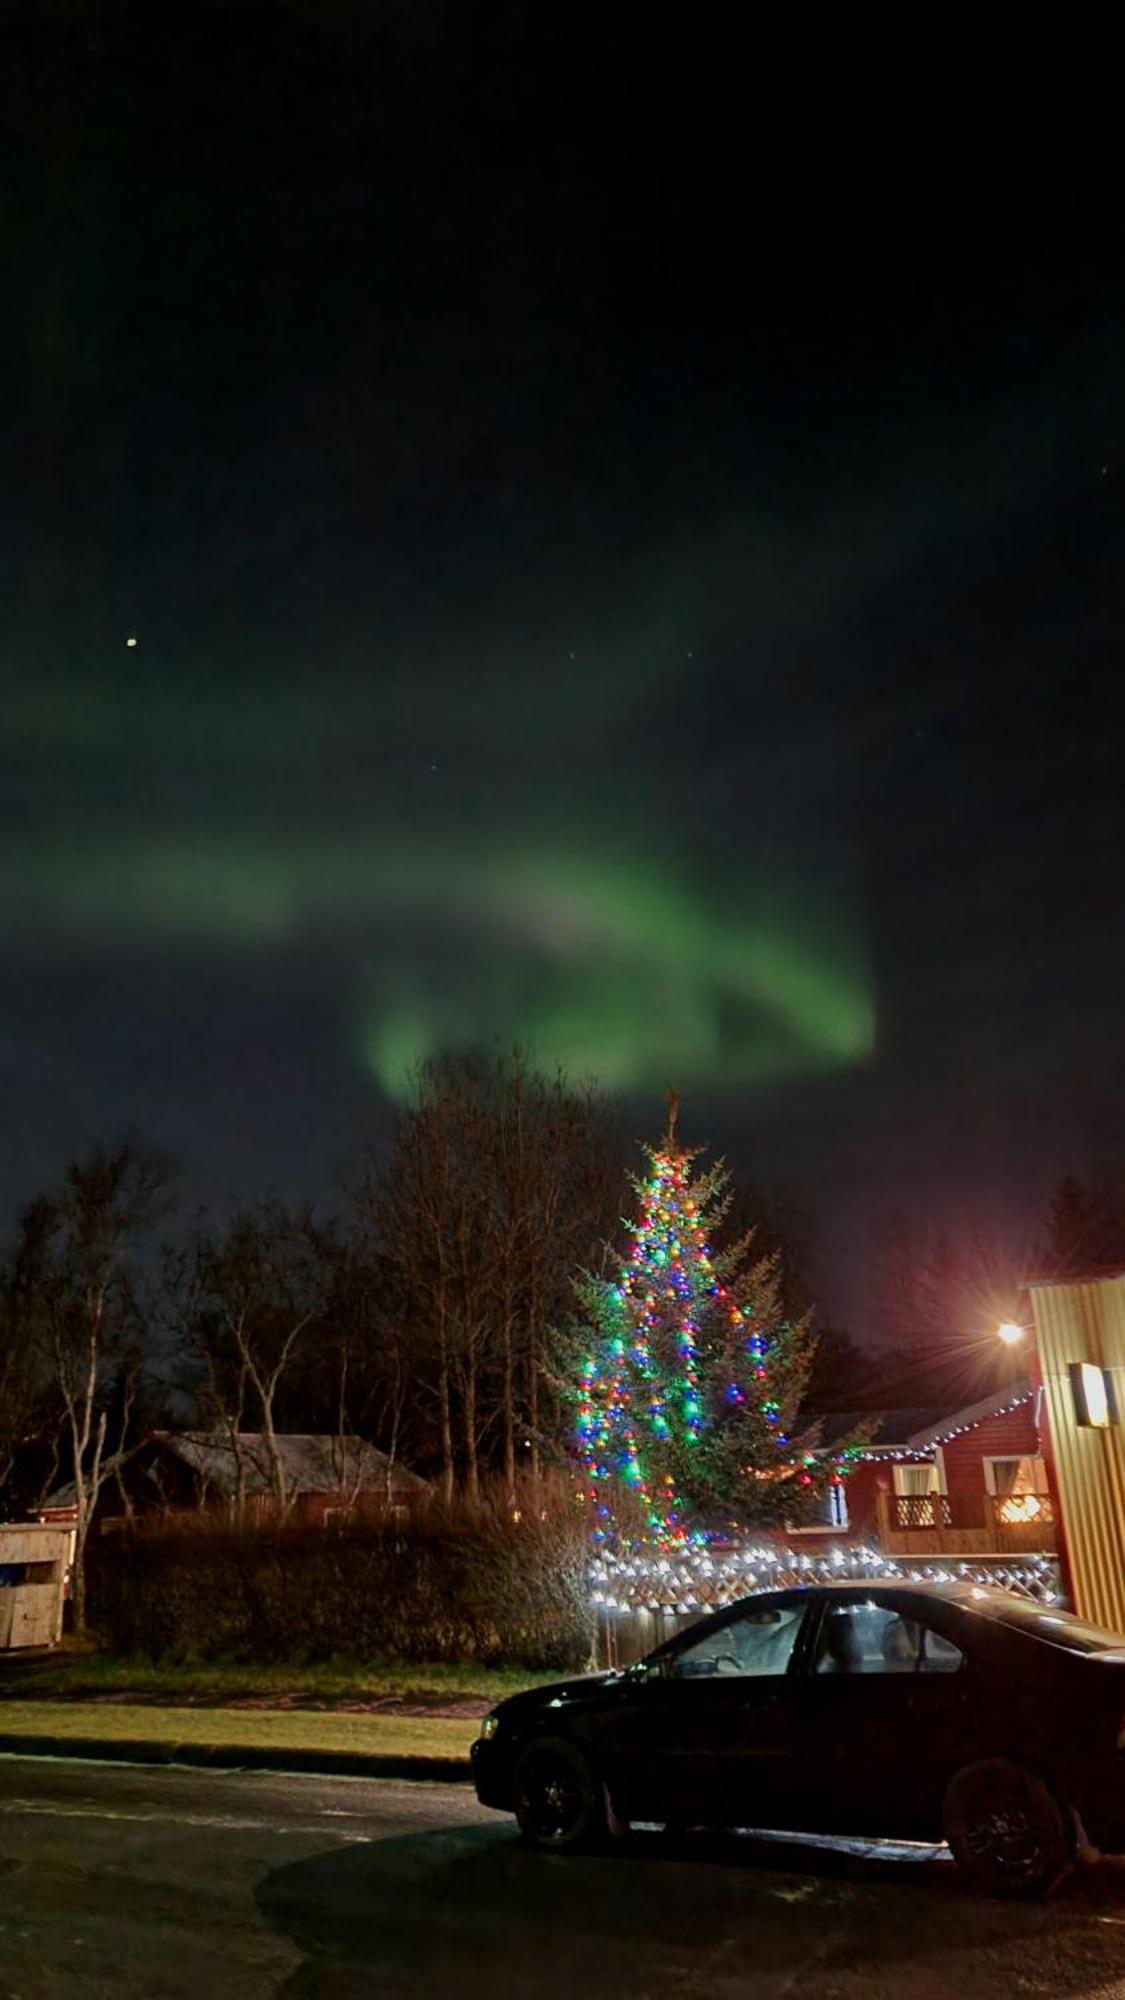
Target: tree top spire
<point>673,1112</point>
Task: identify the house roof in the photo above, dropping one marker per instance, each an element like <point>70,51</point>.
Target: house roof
<point>884,1428</point>
<point>920,1429</point>
<point>312,1463</point>
<point>1008,1398</point>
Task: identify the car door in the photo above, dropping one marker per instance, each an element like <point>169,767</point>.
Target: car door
<point>705,1734</point>
<point>887,1713</point>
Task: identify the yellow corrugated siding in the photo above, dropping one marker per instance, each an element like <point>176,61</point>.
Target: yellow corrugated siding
<point>1086,1322</point>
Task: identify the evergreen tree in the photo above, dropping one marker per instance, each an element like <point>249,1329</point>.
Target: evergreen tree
<point>1084,1226</point>
<point>692,1377</point>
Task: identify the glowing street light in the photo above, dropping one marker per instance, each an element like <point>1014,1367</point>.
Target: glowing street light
<point>1010,1332</point>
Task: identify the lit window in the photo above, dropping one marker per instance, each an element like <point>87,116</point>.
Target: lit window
<point>914,1482</point>
<point>1021,1507</point>
<point>1019,1485</point>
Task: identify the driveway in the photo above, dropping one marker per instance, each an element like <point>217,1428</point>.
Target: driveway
<point>164,1883</point>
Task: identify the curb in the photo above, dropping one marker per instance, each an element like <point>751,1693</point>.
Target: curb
<point>208,1757</point>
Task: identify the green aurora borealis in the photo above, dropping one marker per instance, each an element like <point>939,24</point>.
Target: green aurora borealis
<point>472,836</point>
<point>609,963</point>
<point>606,575</point>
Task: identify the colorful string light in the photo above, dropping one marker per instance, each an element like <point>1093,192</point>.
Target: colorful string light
<point>683,1356</point>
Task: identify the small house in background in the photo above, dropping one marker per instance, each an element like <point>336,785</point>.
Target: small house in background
<point>947,1482</point>
<point>327,1479</point>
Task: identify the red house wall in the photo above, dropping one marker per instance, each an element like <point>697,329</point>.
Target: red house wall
<point>1011,1435</point>
<point>861,1487</point>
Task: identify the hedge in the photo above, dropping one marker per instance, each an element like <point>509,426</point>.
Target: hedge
<point>482,1589</point>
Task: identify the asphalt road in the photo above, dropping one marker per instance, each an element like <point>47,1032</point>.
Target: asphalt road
<point>164,1883</point>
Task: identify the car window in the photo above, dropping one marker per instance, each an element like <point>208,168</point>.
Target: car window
<point>873,1639</point>
<point>759,1642</point>
<point>939,1654</point>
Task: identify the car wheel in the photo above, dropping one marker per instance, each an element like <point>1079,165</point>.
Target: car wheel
<point>1007,1833</point>
<point>560,1804</point>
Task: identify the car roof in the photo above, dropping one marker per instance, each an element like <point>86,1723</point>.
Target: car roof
<point>970,1597</point>
<point>951,1590</point>
<point>992,1604</point>
<point>980,1600</point>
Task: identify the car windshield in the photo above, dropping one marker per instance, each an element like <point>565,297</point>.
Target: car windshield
<point>1057,1628</point>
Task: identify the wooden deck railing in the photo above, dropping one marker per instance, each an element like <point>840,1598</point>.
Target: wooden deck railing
<point>924,1524</point>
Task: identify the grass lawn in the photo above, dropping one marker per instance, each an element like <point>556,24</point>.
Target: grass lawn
<point>241,1729</point>
<point>74,1675</point>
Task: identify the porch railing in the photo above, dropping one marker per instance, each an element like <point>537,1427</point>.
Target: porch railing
<point>993,1524</point>
<point>920,1510</point>
<point>1021,1520</point>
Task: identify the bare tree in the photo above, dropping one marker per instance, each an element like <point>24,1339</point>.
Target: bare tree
<point>77,1292</point>
<point>257,1291</point>
<point>500,1184</point>
<point>359,1379</point>
<point>427,1216</point>
<point>555,1165</point>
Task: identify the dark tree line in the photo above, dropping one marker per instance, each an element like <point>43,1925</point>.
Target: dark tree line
<point>427,1317</point>
<point>76,1312</point>
<point>432,1314</point>
<point>1085,1226</point>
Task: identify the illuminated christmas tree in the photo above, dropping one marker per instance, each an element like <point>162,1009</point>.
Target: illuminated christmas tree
<point>692,1378</point>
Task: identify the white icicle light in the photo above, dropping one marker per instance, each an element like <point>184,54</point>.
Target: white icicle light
<point>692,1580</point>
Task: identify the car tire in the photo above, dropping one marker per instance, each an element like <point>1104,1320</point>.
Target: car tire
<point>1007,1832</point>
<point>560,1802</point>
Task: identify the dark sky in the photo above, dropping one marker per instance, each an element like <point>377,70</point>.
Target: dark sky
<point>624,542</point>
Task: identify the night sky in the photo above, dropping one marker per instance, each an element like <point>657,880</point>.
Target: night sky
<point>624,548</point>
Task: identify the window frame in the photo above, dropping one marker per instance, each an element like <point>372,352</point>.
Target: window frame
<point>1035,1459</point>
<point>935,1466</point>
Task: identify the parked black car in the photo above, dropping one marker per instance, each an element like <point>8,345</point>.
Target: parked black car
<point>916,1712</point>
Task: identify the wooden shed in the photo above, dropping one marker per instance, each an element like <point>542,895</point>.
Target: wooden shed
<point>33,1566</point>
